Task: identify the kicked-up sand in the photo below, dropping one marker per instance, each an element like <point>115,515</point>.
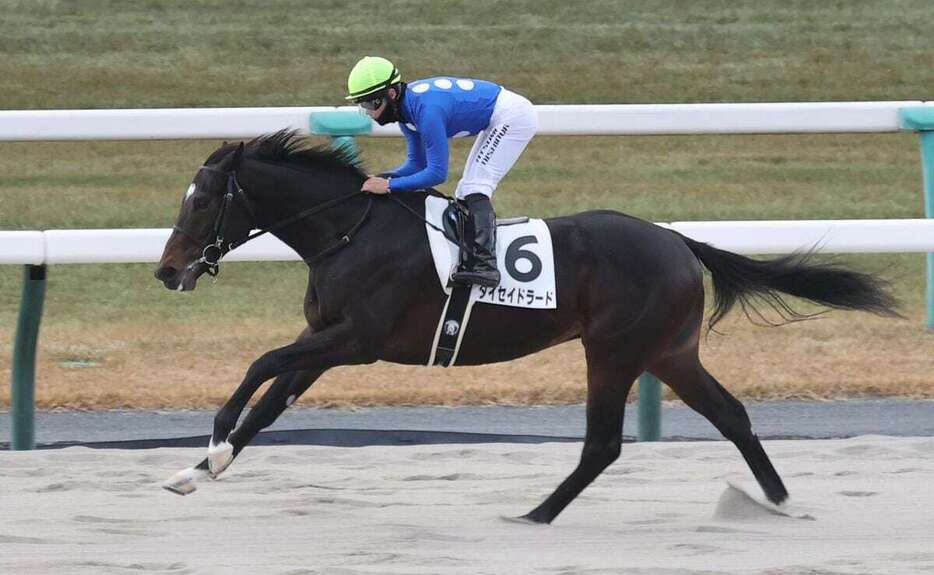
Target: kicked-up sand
<point>861,505</point>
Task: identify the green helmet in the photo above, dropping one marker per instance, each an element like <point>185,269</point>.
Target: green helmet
<point>370,75</point>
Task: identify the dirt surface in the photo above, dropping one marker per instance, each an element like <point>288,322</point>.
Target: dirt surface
<point>185,366</point>
<point>860,505</point>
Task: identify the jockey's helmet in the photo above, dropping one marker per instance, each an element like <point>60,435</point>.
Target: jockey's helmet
<point>371,75</point>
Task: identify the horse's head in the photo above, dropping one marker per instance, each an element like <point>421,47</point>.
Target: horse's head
<point>212,216</point>
<point>290,184</point>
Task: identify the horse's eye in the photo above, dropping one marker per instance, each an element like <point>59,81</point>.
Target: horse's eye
<point>201,203</point>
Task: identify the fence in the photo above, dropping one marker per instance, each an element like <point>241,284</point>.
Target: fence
<point>580,120</point>
<point>37,249</point>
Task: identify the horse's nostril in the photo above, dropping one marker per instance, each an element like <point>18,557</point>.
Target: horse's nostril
<point>165,273</point>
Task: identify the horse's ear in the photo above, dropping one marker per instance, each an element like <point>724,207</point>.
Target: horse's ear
<point>235,158</point>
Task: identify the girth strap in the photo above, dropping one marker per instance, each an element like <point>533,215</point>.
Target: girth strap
<point>451,327</point>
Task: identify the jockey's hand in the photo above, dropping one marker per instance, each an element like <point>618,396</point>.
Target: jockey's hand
<point>376,185</point>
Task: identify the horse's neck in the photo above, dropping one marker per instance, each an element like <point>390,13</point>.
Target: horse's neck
<point>283,197</point>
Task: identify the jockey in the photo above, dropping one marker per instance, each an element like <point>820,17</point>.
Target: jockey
<point>429,112</point>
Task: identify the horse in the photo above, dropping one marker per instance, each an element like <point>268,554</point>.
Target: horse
<point>631,291</point>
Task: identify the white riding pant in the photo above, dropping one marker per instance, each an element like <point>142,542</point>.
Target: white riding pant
<point>512,125</point>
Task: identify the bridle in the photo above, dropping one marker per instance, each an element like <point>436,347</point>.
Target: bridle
<point>214,250</point>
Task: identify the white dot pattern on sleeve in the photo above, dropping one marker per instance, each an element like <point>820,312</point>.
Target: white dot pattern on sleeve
<point>465,84</point>
<point>420,87</point>
<point>443,83</point>
<point>461,134</point>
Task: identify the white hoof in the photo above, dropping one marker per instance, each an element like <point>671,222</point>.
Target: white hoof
<point>219,457</point>
<point>185,481</point>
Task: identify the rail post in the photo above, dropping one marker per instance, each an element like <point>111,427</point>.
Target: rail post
<point>921,119</point>
<point>650,408</point>
<point>341,126</point>
<point>23,384</point>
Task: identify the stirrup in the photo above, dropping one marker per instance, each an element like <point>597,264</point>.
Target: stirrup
<point>488,279</point>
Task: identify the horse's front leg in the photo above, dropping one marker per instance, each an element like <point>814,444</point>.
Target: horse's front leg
<point>317,352</point>
<point>287,388</point>
<point>281,394</point>
<point>313,352</point>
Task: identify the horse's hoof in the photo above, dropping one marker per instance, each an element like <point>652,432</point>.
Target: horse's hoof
<point>185,481</point>
<point>777,496</point>
<point>219,457</point>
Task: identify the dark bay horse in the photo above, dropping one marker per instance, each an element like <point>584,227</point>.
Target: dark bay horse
<point>632,292</point>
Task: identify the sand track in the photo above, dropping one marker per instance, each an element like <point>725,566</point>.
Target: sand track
<point>858,506</point>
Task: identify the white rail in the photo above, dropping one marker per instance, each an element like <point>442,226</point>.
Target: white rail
<point>636,119</point>
<point>749,237</point>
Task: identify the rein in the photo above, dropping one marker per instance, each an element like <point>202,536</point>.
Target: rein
<point>214,251</point>
<point>418,216</point>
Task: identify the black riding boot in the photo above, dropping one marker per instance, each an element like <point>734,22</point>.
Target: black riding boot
<point>482,270</point>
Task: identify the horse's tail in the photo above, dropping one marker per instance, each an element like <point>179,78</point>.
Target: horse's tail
<point>745,280</point>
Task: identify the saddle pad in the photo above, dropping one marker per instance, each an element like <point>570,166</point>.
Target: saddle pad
<point>524,256</point>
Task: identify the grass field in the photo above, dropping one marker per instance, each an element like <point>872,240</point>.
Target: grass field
<point>136,336</point>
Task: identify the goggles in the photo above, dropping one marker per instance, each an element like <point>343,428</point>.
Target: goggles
<point>372,104</point>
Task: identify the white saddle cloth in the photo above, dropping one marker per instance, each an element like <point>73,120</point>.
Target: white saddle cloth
<point>524,256</point>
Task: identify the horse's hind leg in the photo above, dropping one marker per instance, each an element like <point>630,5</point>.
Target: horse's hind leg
<point>608,384</point>
<point>704,394</point>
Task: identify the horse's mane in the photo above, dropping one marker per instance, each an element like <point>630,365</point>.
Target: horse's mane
<point>287,147</point>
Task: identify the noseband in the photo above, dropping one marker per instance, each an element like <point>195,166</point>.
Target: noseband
<point>214,250</point>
